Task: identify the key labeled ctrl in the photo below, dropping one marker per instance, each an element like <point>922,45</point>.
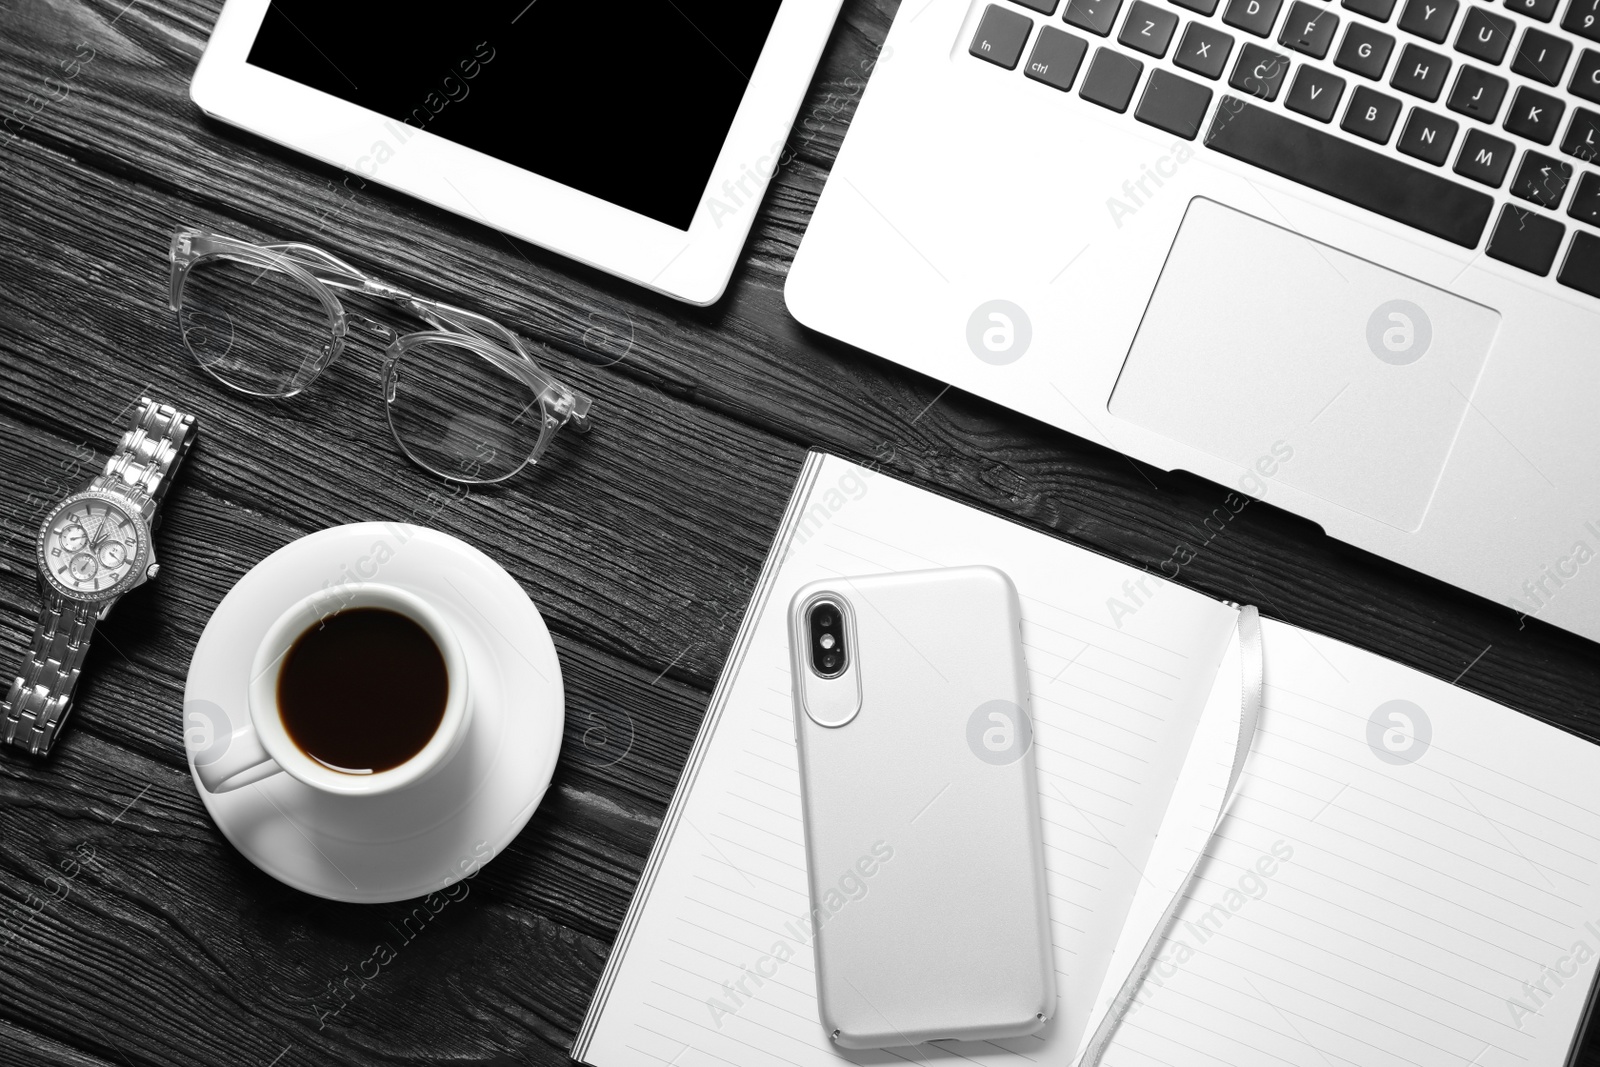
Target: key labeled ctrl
<point>1055,58</point>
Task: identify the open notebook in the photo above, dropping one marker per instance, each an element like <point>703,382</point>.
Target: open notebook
<point>1407,874</point>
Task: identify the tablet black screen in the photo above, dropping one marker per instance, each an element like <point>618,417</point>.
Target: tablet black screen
<point>629,102</point>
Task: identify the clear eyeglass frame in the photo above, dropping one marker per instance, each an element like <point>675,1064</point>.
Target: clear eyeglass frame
<point>321,274</point>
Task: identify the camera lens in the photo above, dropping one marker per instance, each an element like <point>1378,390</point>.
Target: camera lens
<point>828,650</point>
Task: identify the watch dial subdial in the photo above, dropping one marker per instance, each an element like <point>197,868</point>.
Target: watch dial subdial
<point>90,546</point>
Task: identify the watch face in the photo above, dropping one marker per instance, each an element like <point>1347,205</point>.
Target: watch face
<point>92,548</point>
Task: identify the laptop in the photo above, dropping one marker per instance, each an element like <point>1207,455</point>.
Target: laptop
<point>1344,259</point>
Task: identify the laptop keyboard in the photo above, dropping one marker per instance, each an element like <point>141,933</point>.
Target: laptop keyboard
<point>1476,100</point>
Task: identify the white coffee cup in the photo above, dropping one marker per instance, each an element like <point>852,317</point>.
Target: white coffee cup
<point>262,747</point>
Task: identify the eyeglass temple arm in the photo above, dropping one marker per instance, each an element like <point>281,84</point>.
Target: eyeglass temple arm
<point>324,266</point>
<point>447,316</point>
<point>570,404</point>
<point>327,267</point>
<point>333,271</point>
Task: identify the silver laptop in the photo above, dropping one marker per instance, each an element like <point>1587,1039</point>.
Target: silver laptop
<point>1342,259</point>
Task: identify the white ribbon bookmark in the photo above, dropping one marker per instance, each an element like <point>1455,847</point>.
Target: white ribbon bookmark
<point>1251,684</point>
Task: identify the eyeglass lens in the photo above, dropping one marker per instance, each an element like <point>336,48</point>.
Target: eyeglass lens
<point>256,328</point>
<point>457,414</point>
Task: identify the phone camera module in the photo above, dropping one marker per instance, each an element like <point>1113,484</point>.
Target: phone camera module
<point>826,626</point>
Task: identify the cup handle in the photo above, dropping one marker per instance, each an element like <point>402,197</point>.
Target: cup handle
<point>245,762</point>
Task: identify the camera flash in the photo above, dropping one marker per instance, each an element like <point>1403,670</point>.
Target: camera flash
<point>826,641</point>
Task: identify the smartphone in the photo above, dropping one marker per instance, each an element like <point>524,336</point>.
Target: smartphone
<point>929,917</point>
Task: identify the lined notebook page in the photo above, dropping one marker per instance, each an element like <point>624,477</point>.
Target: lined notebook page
<point>714,966</point>
<point>1401,891</point>
<point>1410,891</point>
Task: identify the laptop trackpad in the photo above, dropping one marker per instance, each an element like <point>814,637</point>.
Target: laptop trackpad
<point>1260,344</point>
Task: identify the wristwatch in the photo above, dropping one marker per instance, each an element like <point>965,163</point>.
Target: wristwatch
<point>94,547</point>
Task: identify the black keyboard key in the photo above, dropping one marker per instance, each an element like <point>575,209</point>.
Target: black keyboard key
<point>1583,19</point>
<point>1111,79</point>
<point>1427,136</point>
<point>1583,135</point>
<point>1199,7</point>
<point>1543,10</point>
<point>1429,18</point>
<point>1096,16</point>
<point>1315,93</point>
<point>1001,35</point>
<point>1043,7</point>
<point>1541,180</point>
<point>1484,158</point>
<point>1252,16</point>
<point>1259,72</point>
<point>1148,29</point>
<point>1585,206</point>
<point>1056,57</point>
<point>1371,114</point>
<point>1373,9</point>
<point>1478,94</point>
<point>1340,167</point>
<point>1534,115</point>
<point>1525,239</point>
<point>1203,50</point>
<point>1581,269</point>
<point>1173,103</point>
<point>1364,50</point>
<point>1485,35</point>
<point>1586,78</point>
<point>1541,56</point>
<point>1308,29</point>
<point>1421,72</point>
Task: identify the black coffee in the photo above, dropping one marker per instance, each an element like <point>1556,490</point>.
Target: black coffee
<point>363,691</point>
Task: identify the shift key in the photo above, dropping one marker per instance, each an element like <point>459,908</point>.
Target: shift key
<point>1346,170</point>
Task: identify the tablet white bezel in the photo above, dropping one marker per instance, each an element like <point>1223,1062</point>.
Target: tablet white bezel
<point>692,266</point>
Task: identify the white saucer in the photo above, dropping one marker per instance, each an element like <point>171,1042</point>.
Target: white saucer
<point>427,836</point>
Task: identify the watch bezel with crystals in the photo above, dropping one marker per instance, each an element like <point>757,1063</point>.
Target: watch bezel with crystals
<point>137,571</point>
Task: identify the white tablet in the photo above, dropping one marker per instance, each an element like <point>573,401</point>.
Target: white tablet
<point>635,137</point>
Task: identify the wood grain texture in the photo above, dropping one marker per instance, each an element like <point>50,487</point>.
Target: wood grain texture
<point>640,543</point>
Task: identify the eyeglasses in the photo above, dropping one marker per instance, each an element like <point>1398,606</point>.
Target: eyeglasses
<point>464,400</point>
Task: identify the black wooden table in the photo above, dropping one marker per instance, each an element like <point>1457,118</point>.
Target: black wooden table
<point>640,544</point>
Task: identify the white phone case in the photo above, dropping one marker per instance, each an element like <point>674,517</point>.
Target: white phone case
<point>929,912</point>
